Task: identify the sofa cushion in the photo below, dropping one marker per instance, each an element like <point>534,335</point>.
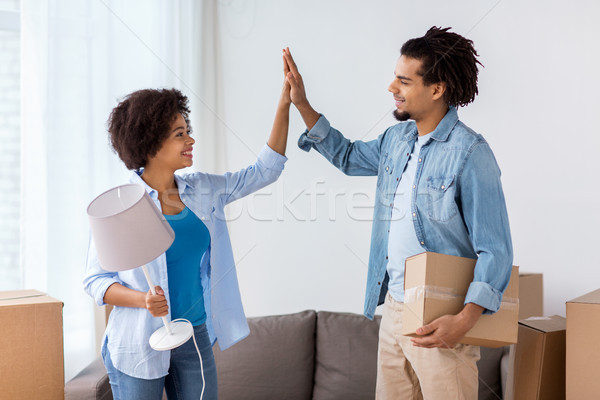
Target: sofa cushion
<point>275,362</point>
<point>89,384</point>
<point>346,356</point>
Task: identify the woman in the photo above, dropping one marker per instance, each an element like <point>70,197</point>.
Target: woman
<point>196,277</point>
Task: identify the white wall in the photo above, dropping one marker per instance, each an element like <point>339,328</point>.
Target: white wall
<point>538,91</point>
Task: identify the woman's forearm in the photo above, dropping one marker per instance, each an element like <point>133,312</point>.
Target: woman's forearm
<point>279,134</point>
<point>119,295</point>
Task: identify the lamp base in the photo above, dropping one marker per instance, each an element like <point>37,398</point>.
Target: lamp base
<point>181,332</point>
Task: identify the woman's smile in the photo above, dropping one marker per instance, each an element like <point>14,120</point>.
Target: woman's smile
<point>188,153</point>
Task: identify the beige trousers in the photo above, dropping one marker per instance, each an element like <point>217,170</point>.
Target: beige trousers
<point>407,372</point>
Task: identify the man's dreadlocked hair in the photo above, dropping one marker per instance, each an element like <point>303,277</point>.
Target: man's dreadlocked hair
<point>446,57</point>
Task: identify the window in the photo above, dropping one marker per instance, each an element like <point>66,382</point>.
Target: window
<point>10,145</point>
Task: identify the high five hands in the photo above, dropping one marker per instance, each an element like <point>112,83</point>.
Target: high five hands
<point>285,92</point>
<point>294,79</point>
<point>297,90</point>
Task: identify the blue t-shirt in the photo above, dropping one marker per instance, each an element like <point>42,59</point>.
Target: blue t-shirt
<point>183,266</point>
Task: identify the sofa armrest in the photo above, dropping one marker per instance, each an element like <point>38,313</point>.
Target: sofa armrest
<point>91,383</point>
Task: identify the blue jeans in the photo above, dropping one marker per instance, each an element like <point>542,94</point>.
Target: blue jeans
<point>184,381</point>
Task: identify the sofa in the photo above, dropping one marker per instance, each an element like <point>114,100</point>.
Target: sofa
<point>307,355</point>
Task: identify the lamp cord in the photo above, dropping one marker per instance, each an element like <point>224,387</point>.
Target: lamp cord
<point>199,355</point>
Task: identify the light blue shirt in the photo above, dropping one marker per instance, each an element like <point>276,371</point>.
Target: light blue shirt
<point>403,241</point>
<point>129,329</point>
<point>457,205</point>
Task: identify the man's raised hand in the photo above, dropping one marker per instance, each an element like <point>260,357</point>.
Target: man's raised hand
<point>297,91</point>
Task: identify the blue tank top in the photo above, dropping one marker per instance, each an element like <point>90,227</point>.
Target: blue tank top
<point>183,266</point>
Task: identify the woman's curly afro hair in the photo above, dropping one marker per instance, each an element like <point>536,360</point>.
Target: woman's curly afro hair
<point>141,122</point>
<point>446,57</point>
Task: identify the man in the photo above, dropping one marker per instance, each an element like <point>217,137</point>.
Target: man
<point>439,190</point>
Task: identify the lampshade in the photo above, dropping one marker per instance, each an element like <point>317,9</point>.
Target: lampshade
<point>129,232</point>
<point>128,229</point>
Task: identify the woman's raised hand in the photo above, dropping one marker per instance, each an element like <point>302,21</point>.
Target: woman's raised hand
<point>285,92</point>
<point>293,77</point>
<point>297,91</point>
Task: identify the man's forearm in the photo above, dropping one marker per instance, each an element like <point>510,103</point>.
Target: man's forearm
<point>309,115</point>
<point>470,314</point>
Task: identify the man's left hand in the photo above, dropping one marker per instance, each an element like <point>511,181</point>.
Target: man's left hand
<point>448,330</point>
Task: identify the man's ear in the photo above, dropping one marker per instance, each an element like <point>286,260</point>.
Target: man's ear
<point>438,90</point>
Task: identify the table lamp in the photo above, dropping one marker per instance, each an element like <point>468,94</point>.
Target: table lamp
<point>129,231</point>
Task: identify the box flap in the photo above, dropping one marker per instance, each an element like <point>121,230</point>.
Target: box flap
<point>591,297</point>
<point>523,274</point>
<point>23,297</point>
<point>545,324</point>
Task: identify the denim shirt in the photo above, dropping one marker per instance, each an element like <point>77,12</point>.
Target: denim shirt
<point>457,205</point>
<point>128,328</point>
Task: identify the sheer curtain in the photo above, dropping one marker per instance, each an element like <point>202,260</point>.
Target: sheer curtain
<point>78,59</point>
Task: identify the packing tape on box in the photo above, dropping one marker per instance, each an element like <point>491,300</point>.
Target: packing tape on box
<point>23,297</point>
<point>431,292</point>
<point>417,293</point>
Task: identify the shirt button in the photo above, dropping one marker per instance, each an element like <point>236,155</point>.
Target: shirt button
<point>407,154</point>
<point>414,214</point>
<point>422,242</point>
<point>443,187</point>
<point>387,168</point>
<point>420,159</point>
<point>397,179</point>
<point>414,186</point>
<point>386,257</point>
<point>379,283</point>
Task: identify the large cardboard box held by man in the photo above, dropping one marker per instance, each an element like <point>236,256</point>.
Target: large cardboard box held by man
<point>31,346</point>
<point>583,351</point>
<point>539,367</point>
<point>436,285</point>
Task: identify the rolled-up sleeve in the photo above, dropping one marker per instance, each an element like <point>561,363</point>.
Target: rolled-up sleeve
<point>316,135</point>
<point>486,217</point>
<point>271,159</point>
<point>97,280</point>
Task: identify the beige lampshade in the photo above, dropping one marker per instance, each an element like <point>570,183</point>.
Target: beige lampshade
<point>128,230</point>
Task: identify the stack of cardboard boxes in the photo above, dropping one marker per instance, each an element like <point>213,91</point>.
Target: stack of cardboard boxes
<point>558,358</point>
<point>436,285</point>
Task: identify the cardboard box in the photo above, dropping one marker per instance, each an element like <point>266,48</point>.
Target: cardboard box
<point>531,295</point>
<point>436,285</point>
<point>539,369</point>
<point>583,351</point>
<point>31,346</point>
